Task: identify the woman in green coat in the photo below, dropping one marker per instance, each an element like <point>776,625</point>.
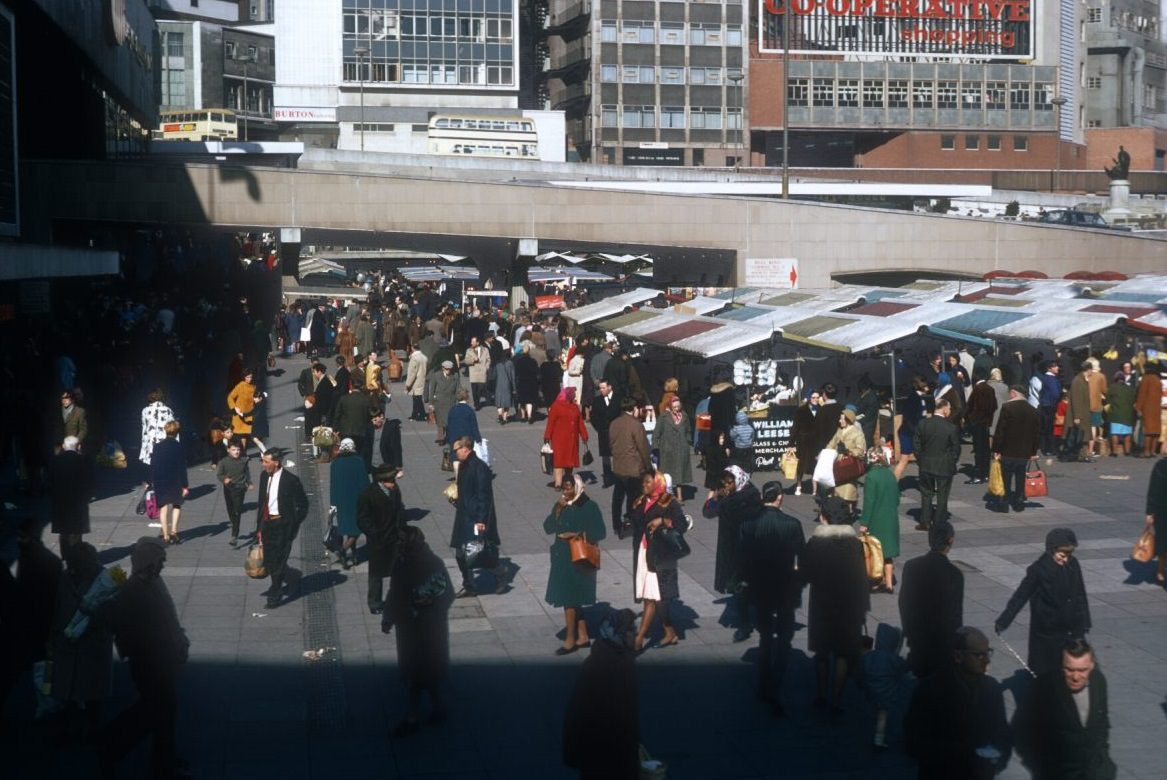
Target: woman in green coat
<point>572,585</point>
<point>881,513</point>
<point>1120,414</point>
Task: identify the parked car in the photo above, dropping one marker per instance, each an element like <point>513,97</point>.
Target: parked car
<point>1078,219</point>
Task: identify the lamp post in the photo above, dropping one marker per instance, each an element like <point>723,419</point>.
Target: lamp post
<point>361,51</point>
<point>1058,102</point>
<point>247,60</point>
<point>736,77</point>
<point>786,100</point>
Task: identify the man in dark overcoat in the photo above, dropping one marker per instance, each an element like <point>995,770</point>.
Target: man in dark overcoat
<point>70,500</point>
<point>1015,441</point>
<point>1063,724</point>
<point>937,447</point>
<point>283,506</point>
<point>380,516</point>
<point>931,602</point>
<point>605,408</point>
<point>474,516</point>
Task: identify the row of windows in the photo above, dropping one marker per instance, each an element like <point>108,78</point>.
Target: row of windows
<point>648,74</point>
<point>670,117</point>
<point>969,96</point>
<point>972,143</point>
<point>460,6</point>
<point>387,25</point>
<point>671,33</point>
<point>429,73</point>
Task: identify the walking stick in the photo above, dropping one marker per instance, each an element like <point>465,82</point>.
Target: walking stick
<point>1016,655</point>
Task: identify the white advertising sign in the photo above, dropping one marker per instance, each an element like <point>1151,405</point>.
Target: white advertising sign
<point>302,114</point>
<point>779,272</point>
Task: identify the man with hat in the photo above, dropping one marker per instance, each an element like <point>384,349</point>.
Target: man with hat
<point>381,517</point>
<point>442,392</point>
<point>931,601</point>
<point>770,548</point>
<point>832,564</point>
<point>1015,441</point>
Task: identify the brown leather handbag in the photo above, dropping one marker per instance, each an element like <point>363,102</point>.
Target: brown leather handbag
<point>583,551</point>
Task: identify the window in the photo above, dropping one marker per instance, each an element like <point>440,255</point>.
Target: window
<point>824,92</point>
<point>922,92</point>
<point>947,142</point>
<point>873,94</point>
<point>672,75</point>
<point>946,94</point>
<point>500,74</point>
<point>639,116</point>
<point>897,94</point>
<point>672,33</point>
<point>1020,143</point>
<point>733,118</point>
<point>637,32</point>
<point>798,92</point>
<point>1094,123</point>
<point>705,118</point>
<point>972,142</point>
<point>1093,82</point>
<point>993,143</point>
<point>496,29</point>
<point>1043,97</point>
<point>672,117</point>
<point>1094,15</point>
<point>848,93</point>
<point>609,74</point>
<point>608,116</point>
<point>607,32</point>
<point>971,96</point>
<point>1019,96</point>
<point>733,35</point>
<point>705,34</point>
<point>229,49</point>
<point>995,96</point>
<point>631,74</point>
<point>173,44</point>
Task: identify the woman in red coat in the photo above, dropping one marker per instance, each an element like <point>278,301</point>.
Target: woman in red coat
<point>565,427</point>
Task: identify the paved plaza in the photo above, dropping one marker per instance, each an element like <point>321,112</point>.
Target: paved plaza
<point>253,707</point>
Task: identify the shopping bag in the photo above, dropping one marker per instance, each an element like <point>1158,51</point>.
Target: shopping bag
<point>480,554</point>
<point>789,464</point>
<point>253,565</point>
<point>152,512</point>
<point>333,540</point>
<point>305,334</point>
<point>996,480</point>
<point>482,450</point>
<point>1144,549</point>
<point>872,556</point>
<point>141,507</point>
<point>1035,485</point>
<point>824,467</point>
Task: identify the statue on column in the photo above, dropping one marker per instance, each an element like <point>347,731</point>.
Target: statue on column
<point>1121,167</point>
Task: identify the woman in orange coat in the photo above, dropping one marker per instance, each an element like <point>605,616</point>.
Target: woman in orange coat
<point>242,400</point>
<point>346,343</point>
<point>1148,402</point>
<point>565,427</point>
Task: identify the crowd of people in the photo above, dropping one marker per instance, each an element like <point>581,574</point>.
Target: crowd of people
<point>453,362</point>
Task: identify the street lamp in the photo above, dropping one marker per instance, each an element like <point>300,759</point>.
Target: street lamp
<point>736,77</point>
<point>246,60</point>
<point>786,102</point>
<point>1058,103</point>
<point>360,53</point>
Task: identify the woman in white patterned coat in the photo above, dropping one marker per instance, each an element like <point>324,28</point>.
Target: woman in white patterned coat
<point>155,415</point>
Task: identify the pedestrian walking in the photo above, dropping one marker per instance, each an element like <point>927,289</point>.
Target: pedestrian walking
<point>931,602</point>
<point>242,401</point>
<point>70,495</point>
<point>672,435</point>
<point>1015,442</point>
<point>347,479</point>
<point>381,517</point>
<point>572,585</point>
<point>604,409</point>
<point>234,474</point>
<point>442,391</point>
<point>283,506</point>
<point>155,415</point>
<point>881,513</point>
<point>658,527</point>
<point>937,447</point>
<point>563,431</point>
<point>804,435</point>
<point>734,502</point>
<point>474,516</point>
<point>630,459</point>
<point>170,481</point>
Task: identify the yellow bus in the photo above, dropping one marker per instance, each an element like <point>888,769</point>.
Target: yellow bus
<point>209,124</point>
<point>481,136</point>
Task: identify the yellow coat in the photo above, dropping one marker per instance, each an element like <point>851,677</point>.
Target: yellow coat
<point>241,398</point>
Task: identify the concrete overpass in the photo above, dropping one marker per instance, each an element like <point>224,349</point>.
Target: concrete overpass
<point>696,238</point>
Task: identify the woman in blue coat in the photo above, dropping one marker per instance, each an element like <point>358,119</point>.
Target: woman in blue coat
<point>347,477</point>
<point>169,480</point>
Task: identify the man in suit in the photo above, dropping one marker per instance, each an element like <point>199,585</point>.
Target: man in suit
<point>322,388</point>
<point>390,444</point>
<point>937,446</point>
<point>1063,725</point>
<point>1015,441</point>
<point>931,602</point>
<point>381,516</point>
<point>283,506</point>
<point>73,422</point>
<point>350,420</point>
<point>630,459</point>
<point>474,514</point>
<point>605,409</point>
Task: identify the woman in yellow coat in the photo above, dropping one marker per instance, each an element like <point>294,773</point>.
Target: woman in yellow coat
<point>242,400</point>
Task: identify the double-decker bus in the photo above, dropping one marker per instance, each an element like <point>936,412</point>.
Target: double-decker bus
<point>208,124</point>
<point>483,136</point>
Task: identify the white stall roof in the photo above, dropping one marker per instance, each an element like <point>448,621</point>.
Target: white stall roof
<point>610,306</point>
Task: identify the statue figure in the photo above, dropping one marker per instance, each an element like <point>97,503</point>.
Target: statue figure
<point>1121,167</point>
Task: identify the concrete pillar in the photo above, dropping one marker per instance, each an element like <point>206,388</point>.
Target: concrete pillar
<point>289,252</point>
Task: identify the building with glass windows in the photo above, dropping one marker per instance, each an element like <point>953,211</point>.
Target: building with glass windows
<point>371,74</point>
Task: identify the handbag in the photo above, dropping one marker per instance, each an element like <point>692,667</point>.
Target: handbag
<point>789,464</point>
<point>872,556</point>
<point>323,436</point>
<point>447,465</point>
<point>333,541</point>
<point>671,544</point>
<point>545,461</point>
<point>140,509</point>
<point>253,565</point>
<point>1144,549</point>
<point>450,492</point>
<point>583,551</point>
<point>151,499</point>
<point>848,468</point>
<point>480,554</point>
<point>588,458</point>
<point>1035,485</point>
<point>996,480</point>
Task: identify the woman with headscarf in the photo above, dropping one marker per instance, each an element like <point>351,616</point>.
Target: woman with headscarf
<point>671,387</point>
<point>347,478</point>
<point>881,512</point>
<point>672,439</point>
<point>656,514</point>
<point>572,585</point>
<point>848,440</point>
<point>420,594</point>
<point>155,415</point>
<point>242,400</point>
<point>169,479</point>
<point>564,428</point>
<point>574,375</point>
<point>733,503</point>
<point>1058,608</point>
